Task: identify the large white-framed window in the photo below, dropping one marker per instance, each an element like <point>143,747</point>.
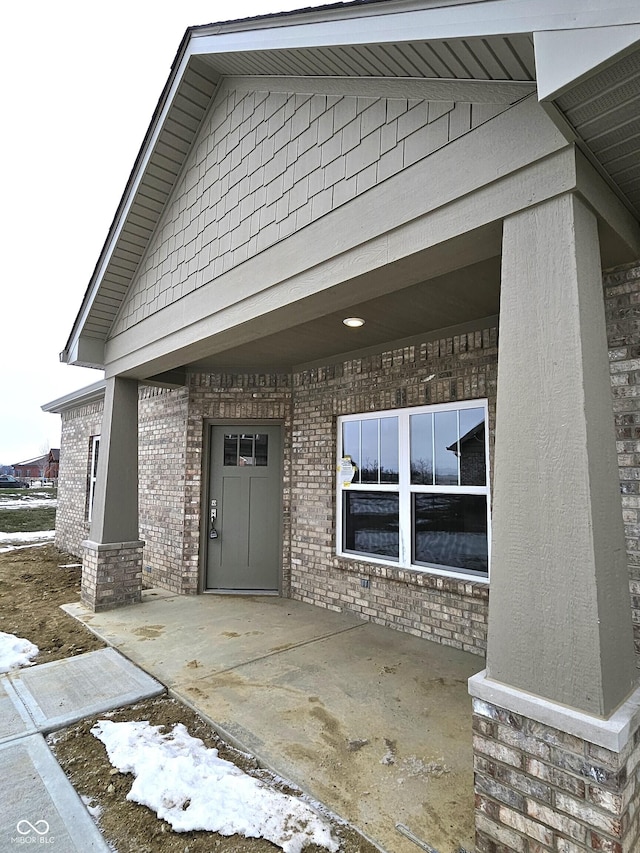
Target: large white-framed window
<point>94,450</point>
<point>416,494</point>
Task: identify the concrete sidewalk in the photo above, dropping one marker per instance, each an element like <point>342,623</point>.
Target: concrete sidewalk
<point>38,804</point>
<point>373,723</point>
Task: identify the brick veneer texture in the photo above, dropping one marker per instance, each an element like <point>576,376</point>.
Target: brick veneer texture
<point>111,575</point>
<point>164,514</point>
<point>78,425</point>
<point>622,305</point>
<point>540,789</point>
<point>446,610</point>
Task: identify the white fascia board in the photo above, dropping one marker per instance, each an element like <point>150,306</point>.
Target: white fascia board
<point>491,18</point>
<point>564,58</point>
<point>72,349</point>
<point>88,394</point>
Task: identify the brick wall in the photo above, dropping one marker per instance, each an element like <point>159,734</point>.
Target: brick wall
<point>162,416</point>
<point>449,611</point>
<point>540,789</point>
<point>78,425</point>
<point>266,164</point>
<point>622,303</point>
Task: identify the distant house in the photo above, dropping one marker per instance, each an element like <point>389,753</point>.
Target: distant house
<point>41,466</point>
<point>333,214</point>
<point>31,467</point>
<point>53,464</point>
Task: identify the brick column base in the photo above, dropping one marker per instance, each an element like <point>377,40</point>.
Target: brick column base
<point>111,574</point>
<point>551,779</point>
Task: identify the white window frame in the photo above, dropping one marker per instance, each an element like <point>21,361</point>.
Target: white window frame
<point>406,489</point>
<point>93,472</point>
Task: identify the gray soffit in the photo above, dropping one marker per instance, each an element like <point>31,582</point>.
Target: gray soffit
<point>496,58</point>
<point>604,112</point>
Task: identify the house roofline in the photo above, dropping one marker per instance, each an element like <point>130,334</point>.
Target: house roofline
<point>434,19</point>
<point>88,394</point>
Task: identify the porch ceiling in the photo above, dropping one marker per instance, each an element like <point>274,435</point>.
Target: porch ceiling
<point>453,299</point>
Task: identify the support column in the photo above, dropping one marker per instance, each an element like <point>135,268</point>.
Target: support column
<point>555,766</point>
<point>112,565</point>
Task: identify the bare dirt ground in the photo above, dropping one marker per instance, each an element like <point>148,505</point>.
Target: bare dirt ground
<point>32,587</point>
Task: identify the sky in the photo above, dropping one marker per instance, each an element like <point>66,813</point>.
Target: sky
<point>79,83</point>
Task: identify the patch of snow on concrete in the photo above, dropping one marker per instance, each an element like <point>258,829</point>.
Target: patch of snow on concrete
<point>15,652</point>
<point>191,788</point>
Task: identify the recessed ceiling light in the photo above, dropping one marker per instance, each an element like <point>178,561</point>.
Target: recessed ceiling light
<point>353,322</point>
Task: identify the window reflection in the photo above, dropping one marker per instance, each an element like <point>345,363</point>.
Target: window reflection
<point>351,445</point>
<point>421,437</point>
<point>372,444</point>
<point>473,466</point>
<point>389,467</point>
<point>450,530</point>
<point>445,445</point>
<point>371,523</point>
<point>369,445</point>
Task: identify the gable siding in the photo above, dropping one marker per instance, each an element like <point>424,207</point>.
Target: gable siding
<point>268,164</point>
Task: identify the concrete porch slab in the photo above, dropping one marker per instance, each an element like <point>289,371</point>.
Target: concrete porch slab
<point>374,723</point>
<point>39,804</point>
<point>224,631</point>
<point>62,692</point>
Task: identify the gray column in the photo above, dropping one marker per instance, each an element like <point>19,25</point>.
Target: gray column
<point>559,617</point>
<point>115,506</point>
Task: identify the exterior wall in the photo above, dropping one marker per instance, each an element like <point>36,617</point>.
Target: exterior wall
<point>539,788</point>
<point>448,611</point>
<point>232,398</point>
<point>78,425</point>
<point>622,300</point>
<point>266,164</point>
<point>162,416</point>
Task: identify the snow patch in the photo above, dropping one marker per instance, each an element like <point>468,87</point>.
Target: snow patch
<point>35,538</point>
<point>32,536</point>
<point>26,501</point>
<point>15,652</point>
<point>94,809</point>
<point>191,788</point>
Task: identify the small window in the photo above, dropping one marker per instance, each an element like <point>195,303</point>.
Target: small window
<point>246,449</point>
<point>94,450</point>
<point>419,494</point>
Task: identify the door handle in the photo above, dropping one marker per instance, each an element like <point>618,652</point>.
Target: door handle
<point>213,533</point>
